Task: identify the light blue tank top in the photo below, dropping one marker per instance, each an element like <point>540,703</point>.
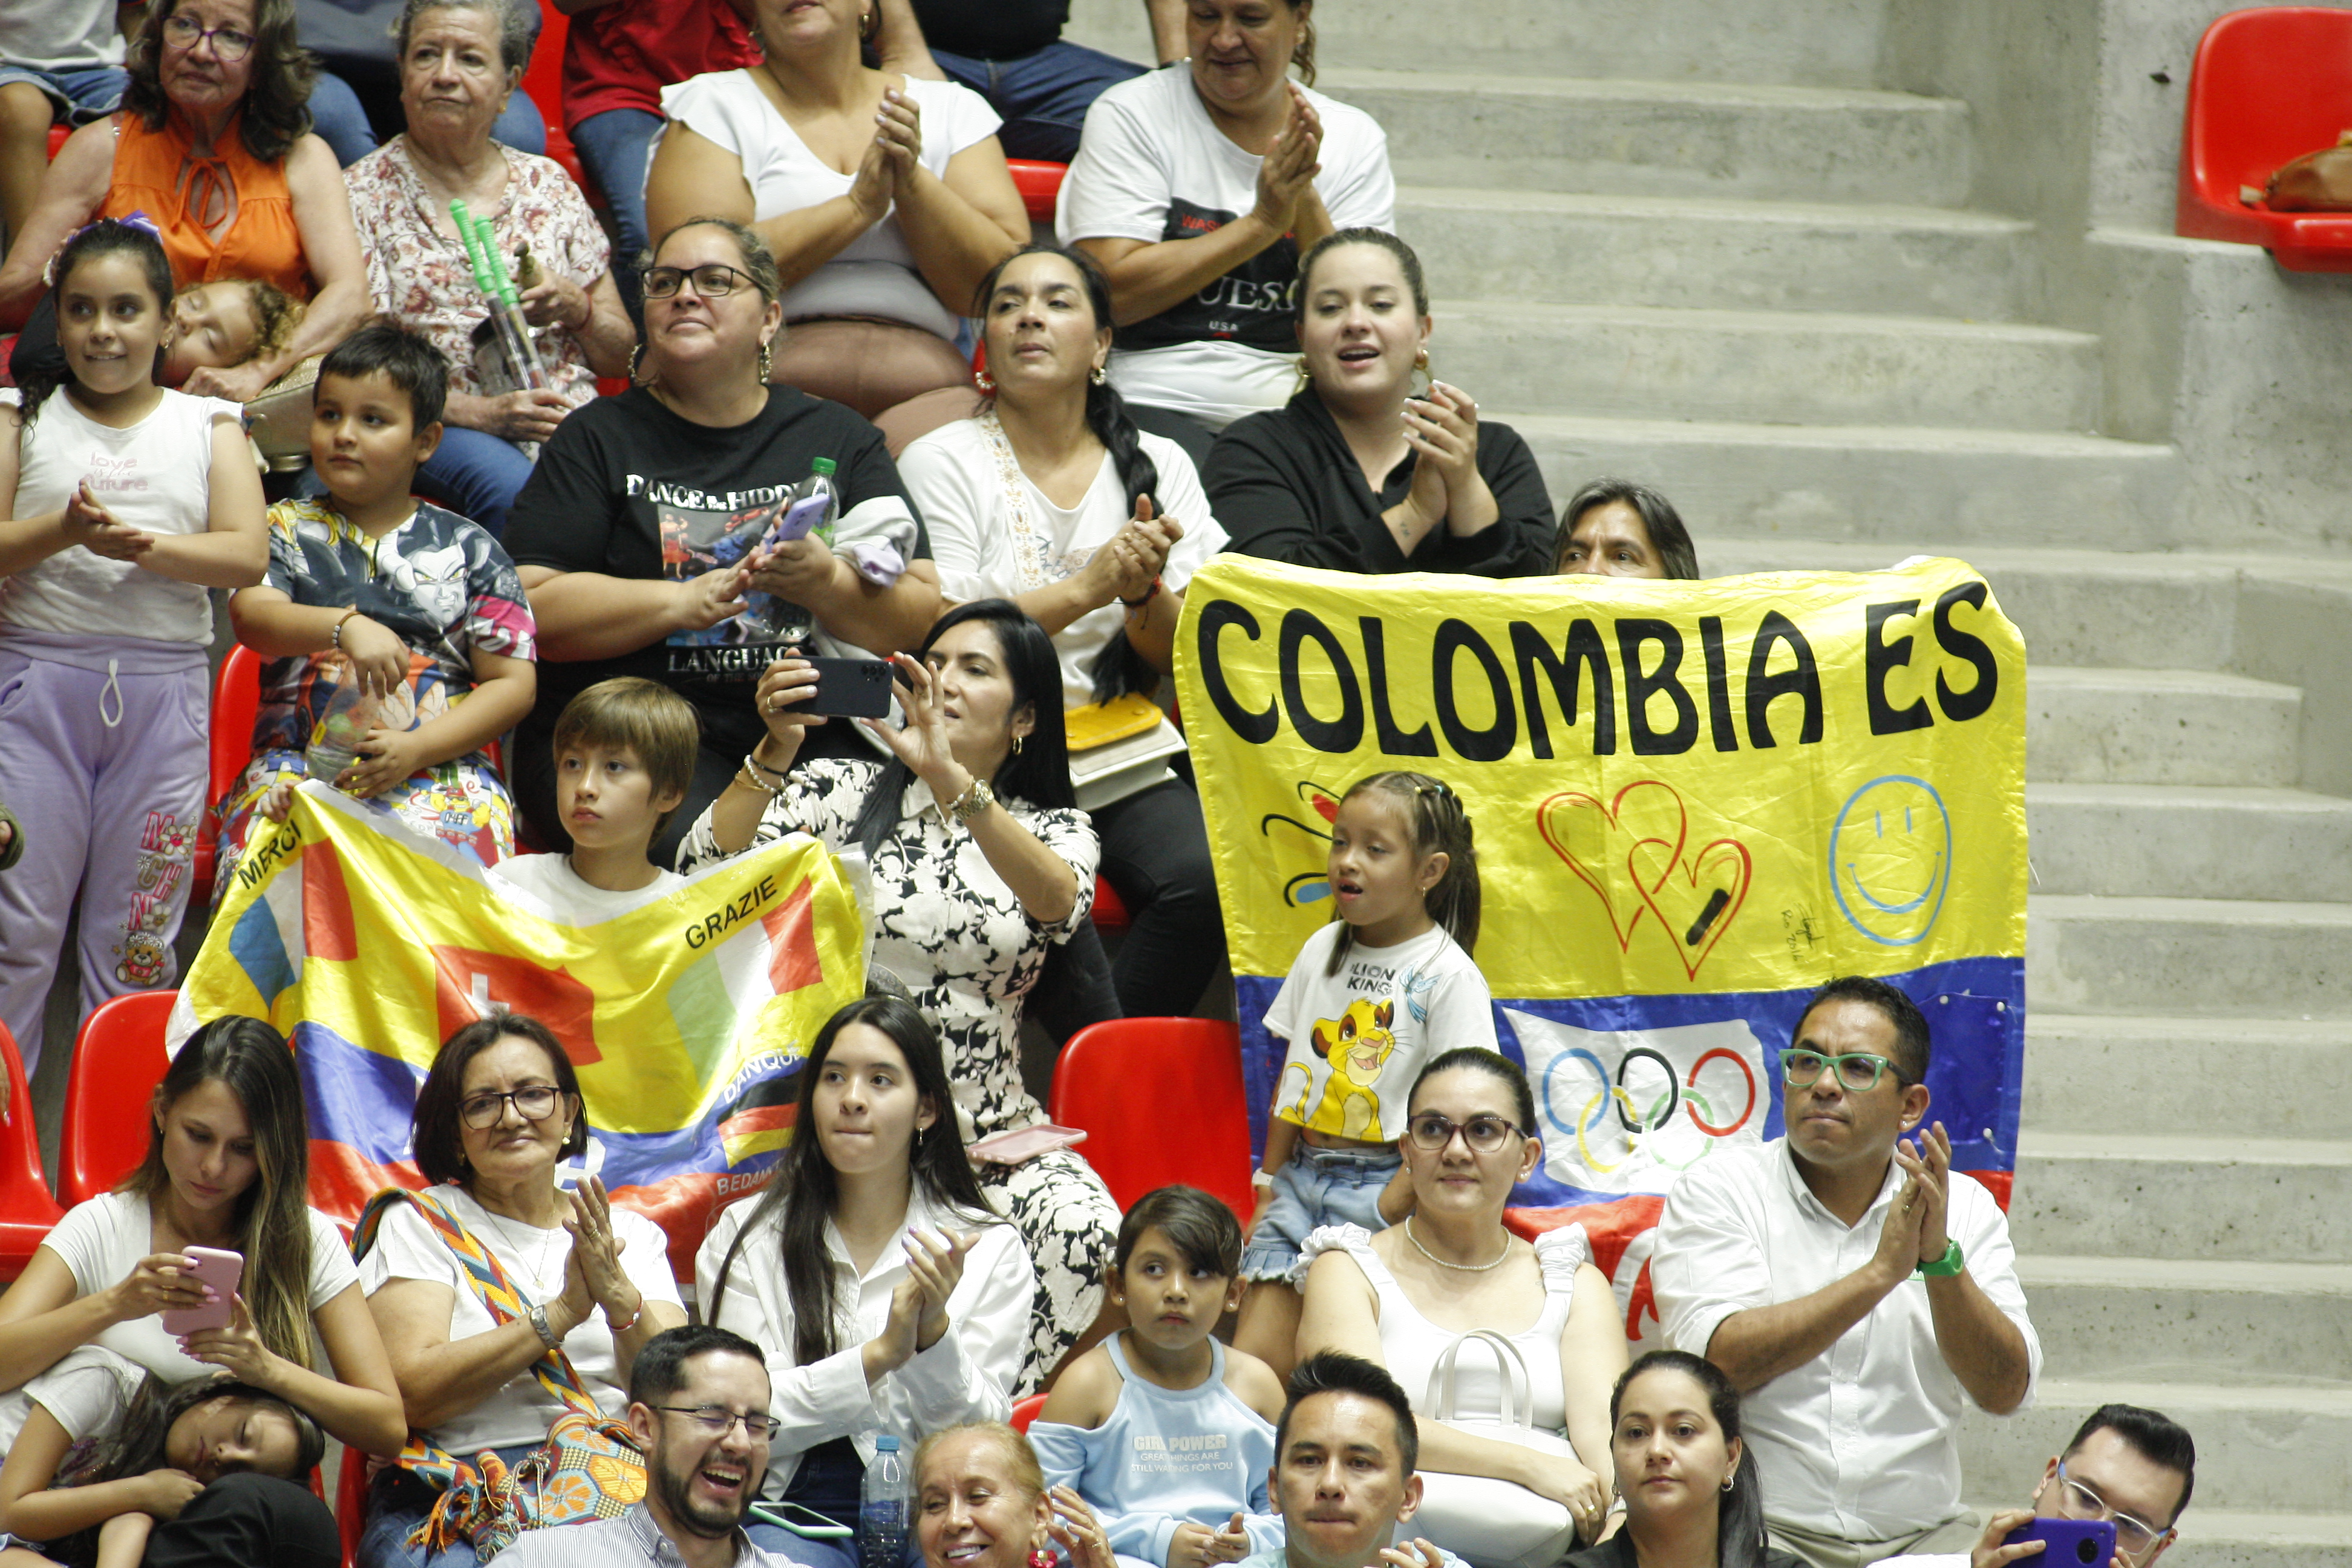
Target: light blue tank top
<point>1166,1455</point>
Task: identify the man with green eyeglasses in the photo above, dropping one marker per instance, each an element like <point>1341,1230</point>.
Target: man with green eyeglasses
<point>2131,1466</point>
<point>1856,1289</point>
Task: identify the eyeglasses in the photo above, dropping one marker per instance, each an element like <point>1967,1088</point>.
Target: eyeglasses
<point>1858,1071</point>
<point>229,44</point>
<point>712,281</point>
<point>718,1420</point>
<point>2076,1500</point>
<point>1484,1134</point>
<point>535,1103</point>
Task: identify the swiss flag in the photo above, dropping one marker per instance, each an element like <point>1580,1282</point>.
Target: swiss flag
<point>469,984</point>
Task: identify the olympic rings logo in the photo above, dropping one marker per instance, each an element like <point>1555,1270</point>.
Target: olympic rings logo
<point>1680,1094</point>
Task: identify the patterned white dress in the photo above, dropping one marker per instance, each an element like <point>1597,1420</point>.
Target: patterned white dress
<point>948,926</point>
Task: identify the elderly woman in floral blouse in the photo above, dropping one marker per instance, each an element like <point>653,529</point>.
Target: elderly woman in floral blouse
<point>459,59</point>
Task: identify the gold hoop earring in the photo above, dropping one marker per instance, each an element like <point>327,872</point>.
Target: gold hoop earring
<point>1306,376</point>
<point>1016,745</point>
<point>1100,376</point>
<point>1421,367</point>
<point>767,364</point>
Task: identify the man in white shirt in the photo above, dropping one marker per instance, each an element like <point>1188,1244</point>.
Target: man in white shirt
<point>2130,1466</point>
<point>699,1402</point>
<point>1854,1288</point>
<point>1343,1478</point>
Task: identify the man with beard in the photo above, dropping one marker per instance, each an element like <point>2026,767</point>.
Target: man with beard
<point>699,1403</point>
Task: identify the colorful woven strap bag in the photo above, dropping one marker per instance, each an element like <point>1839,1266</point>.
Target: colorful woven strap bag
<point>589,1468</point>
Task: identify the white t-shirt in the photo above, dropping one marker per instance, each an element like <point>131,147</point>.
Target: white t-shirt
<point>60,35</point>
<point>552,879</point>
<point>1152,165</point>
<point>982,551</point>
<point>87,1390</point>
<point>521,1411</point>
<point>101,1241</point>
<point>873,275</point>
<point>1357,1038</point>
<point>155,476</point>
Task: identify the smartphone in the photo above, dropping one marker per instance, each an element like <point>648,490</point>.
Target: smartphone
<point>850,688</point>
<point>219,1269</point>
<point>1019,1143</point>
<point>2067,1542</point>
<point>798,519</point>
<point>800,1521</point>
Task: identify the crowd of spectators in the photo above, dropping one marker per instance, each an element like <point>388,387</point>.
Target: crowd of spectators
<point>1226,349</point>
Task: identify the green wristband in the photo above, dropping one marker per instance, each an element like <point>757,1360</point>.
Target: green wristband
<point>1944,1267</point>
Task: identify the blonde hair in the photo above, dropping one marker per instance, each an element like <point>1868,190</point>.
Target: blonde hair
<point>1019,1457</point>
<point>276,314</point>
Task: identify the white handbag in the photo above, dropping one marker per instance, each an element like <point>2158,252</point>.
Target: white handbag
<point>1493,1524</point>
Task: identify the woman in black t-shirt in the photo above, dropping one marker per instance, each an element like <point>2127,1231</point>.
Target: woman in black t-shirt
<point>1355,473</point>
<point>641,530</point>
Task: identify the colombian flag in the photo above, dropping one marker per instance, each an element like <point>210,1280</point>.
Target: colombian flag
<point>687,1013</point>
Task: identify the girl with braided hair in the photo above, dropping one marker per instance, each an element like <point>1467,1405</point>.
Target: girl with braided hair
<point>1052,498</point>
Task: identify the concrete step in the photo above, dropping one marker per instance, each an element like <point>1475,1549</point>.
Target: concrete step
<point>1664,138</point>
<point>1875,488</point>
<point>2189,957</point>
<point>1707,253</point>
<point>2258,1450</point>
<point>1800,367</point>
<point>2098,609</point>
<point>2160,727</point>
<point>1830,43</point>
<point>2152,1076</point>
<point>2268,1200</point>
<point>2184,841</point>
<point>2230,1537</point>
<point>2149,1318</point>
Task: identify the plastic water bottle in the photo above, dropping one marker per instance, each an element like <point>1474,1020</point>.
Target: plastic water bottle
<point>821,482</point>
<point>882,1515</point>
<point>350,714</point>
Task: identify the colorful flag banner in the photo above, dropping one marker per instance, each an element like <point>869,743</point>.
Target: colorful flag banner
<point>1694,802</point>
<point>687,1013</point>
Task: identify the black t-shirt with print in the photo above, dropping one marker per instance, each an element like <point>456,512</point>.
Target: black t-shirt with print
<point>630,490</point>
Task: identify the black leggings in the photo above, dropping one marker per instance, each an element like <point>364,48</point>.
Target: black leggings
<point>240,1521</point>
<point>1155,851</point>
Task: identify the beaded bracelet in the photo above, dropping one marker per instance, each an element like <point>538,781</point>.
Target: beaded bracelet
<point>335,639</point>
<point>620,1328</point>
<point>773,791</point>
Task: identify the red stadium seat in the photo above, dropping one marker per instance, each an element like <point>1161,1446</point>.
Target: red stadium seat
<point>1109,913</point>
<point>58,134</point>
<point>2268,86</point>
<point>1161,1100</point>
<point>118,1060</point>
<point>1024,1411</point>
<point>236,701</point>
<point>1040,185</point>
<point>27,1210</point>
<point>351,1502</point>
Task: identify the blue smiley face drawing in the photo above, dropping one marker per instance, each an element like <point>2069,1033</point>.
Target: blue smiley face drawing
<point>1891,860</point>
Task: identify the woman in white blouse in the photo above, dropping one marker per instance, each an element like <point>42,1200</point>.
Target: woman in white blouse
<point>980,863</point>
<point>1052,498</point>
<point>227,1168</point>
<point>885,198</point>
<point>499,1110</point>
<point>889,1297</point>
<point>1402,1296</point>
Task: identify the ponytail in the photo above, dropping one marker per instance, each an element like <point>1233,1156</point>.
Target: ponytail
<point>1439,824</point>
<point>1118,667</point>
<point>43,371</point>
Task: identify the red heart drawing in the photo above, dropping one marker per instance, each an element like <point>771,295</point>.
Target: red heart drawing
<point>1694,912</point>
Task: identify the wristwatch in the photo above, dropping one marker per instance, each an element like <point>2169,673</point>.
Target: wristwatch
<point>1944,1267</point>
<point>971,803</point>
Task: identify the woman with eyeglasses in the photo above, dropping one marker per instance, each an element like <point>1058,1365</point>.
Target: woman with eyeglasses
<point>461,62</point>
<point>889,1297</point>
<point>213,143</point>
<point>1402,1296</point>
<point>648,520</point>
<point>499,1110</point>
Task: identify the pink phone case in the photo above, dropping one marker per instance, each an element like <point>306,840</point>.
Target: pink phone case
<point>219,1269</point>
<point>1010,1148</point>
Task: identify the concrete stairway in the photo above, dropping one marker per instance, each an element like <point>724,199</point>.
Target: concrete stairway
<point>1698,247</point>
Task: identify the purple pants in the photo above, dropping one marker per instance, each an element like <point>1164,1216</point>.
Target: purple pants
<point>103,758</point>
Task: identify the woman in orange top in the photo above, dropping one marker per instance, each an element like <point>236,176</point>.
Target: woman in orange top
<point>213,143</point>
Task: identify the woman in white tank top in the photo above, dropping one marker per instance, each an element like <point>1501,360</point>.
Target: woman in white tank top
<point>1402,1296</point>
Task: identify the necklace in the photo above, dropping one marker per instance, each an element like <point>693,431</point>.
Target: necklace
<point>547,1243</point>
<point>1458,1267</point>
